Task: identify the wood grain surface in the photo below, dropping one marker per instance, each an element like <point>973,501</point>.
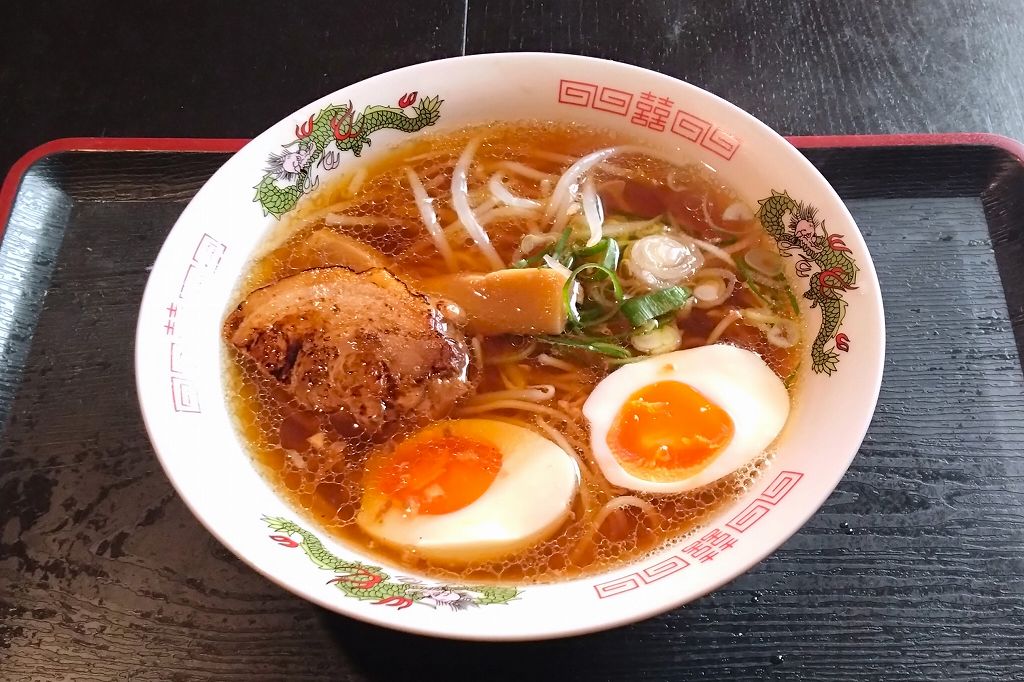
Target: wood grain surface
<point>191,68</point>
<point>911,571</point>
<point>805,68</point>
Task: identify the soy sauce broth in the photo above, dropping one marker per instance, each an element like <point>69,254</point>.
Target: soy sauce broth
<point>323,478</point>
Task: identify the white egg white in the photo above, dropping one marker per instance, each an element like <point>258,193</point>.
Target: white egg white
<point>736,380</point>
<point>529,500</point>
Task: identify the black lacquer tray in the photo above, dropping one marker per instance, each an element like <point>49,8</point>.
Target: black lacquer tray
<point>105,575</point>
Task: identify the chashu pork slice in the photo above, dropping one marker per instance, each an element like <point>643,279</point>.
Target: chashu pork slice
<point>359,343</point>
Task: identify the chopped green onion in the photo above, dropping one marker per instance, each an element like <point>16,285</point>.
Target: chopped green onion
<point>531,262</point>
<point>594,344</point>
<point>648,326</point>
<point>655,323</point>
<point>744,269</point>
<point>661,340</point>
<point>569,290</point>
<point>609,250</point>
<point>593,314</point>
<point>592,250</point>
<point>640,309</point>
<point>559,252</point>
<point>639,227</point>
<point>742,266</point>
<point>626,361</point>
<point>611,255</point>
<point>793,301</point>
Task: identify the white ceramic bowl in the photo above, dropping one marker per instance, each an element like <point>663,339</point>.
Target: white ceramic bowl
<point>181,381</point>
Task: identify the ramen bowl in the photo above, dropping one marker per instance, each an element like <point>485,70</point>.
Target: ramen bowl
<point>182,384</point>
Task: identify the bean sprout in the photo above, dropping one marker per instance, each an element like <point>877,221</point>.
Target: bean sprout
<point>552,156</point>
<point>525,171</point>
<point>426,207</point>
<point>504,195</point>
<point>505,212</point>
<point>593,211</point>
<point>562,196</point>
<point>568,184</point>
<point>557,267</point>
<point>460,200</point>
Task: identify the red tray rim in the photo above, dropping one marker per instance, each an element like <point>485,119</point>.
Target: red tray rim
<point>12,182</point>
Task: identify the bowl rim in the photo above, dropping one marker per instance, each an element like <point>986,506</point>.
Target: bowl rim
<point>646,608</point>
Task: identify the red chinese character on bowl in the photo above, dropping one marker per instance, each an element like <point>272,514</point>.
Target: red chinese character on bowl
<point>651,111</point>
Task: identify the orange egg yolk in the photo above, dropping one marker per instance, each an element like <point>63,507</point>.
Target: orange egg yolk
<point>668,426</point>
<point>440,473</point>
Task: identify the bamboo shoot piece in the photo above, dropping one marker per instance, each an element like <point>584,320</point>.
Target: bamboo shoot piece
<point>512,301</point>
<point>325,248</point>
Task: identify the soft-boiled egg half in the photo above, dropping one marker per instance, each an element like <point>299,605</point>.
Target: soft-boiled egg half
<point>468,490</point>
<point>682,420</point>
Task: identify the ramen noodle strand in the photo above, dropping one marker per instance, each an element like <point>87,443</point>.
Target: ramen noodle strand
<point>586,467</point>
<point>586,475</point>
<point>509,405</point>
<point>533,394</point>
<point>621,502</point>
<point>723,324</point>
<point>549,361</point>
<point>518,356</point>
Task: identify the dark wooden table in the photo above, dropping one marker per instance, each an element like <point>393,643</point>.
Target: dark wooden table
<point>911,570</point>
